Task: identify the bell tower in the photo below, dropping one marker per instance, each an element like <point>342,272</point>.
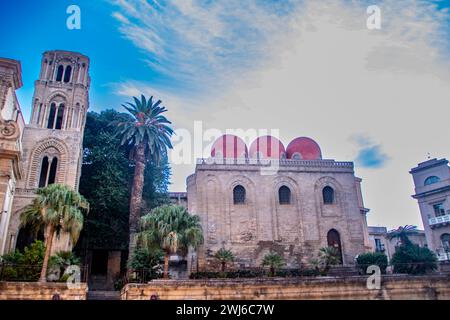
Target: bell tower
<point>52,141</point>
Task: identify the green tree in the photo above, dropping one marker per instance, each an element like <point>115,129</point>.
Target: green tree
<point>412,259</point>
<point>372,258</point>
<point>146,261</point>
<point>224,256</point>
<point>106,179</point>
<point>273,261</point>
<point>148,135</point>
<point>172,229</point>
<point>56,208</point>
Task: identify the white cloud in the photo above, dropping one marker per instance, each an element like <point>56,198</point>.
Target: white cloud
<point>318,72</point>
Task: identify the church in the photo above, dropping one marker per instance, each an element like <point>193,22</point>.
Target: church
<point>51,142</point>
<point>271,198</point>
<point>265,197</point>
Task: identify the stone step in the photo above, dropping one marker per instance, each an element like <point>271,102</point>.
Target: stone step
<point>343,271</point>
<point>103,295</point>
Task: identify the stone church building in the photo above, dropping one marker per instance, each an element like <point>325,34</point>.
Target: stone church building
<point>271,198</point>
<point>267,197</point>
<point>52,141</point>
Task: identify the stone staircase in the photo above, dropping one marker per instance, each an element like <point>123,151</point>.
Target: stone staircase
<point>103,295</point>
<point>343,271</point>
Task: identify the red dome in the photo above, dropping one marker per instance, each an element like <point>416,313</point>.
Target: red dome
<point>306,148</point>
<point>269,148</point>
<point>229,146</point>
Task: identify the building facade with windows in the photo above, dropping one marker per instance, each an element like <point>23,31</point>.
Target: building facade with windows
<point>432,191</point>
<point>382,240</point>
<point>11,131</point>
<point>271,198</point>
<point>52,141</point>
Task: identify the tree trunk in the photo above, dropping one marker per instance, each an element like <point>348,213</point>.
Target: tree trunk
<point>272,271</point>
<point>223,266</point>
<point>48,249</point>
<point>166,266</point>
<point>136,197</point>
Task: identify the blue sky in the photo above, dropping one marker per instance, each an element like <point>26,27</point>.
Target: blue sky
<point>305,68</point>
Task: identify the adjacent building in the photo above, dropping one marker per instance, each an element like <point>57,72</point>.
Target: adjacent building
<point>11,130</point>
<point>382,241</point>
<point>432,191</point>
<point>271,198</point>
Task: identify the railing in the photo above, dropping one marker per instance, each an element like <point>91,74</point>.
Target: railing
<point>31,273</point>
<point>438,220</point>
<point>443,254</point>
<point>274,162</point>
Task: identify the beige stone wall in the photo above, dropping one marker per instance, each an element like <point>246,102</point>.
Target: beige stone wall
<point>353,288</point>
<point>296,230</point>
<point>39,291</point>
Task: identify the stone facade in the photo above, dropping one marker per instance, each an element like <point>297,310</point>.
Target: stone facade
<point>11,131</point>
<point>52,141</point>
<point>432,191</point>
<point>41,291</point>
<point>354,288</point>
<point>296,230</point>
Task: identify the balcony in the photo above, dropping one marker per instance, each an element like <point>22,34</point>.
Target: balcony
<point>443,254</point>
<point>439,221</point>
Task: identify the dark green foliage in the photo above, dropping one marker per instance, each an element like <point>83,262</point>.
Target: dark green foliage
<point>289,273</point>
<point>412,259</point>
<point>24,266</point>
<point>144,259</point>
<point>146,263</point>
<point>106,177</point>
<point>61,261</point>
<point>372,258</point>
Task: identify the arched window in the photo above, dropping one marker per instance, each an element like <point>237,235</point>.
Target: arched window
<point>328,195</point>
<point>52,173</point>
<point>431,180</point>
<point>445,239</point>
<point>59,118</point>
<point>239,195</point>
<point>59,73</point>
<point>39,110</point>
<point>284,195</point>
<point>44,171</point>
<point>51,116</point>
<point>67,74</point>
<point>48,172</point>
<point>296,156</point>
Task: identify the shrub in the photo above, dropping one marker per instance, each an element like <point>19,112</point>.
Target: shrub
<point>273,261</point>
<point>413,259</point>
<point>59,263</point>
<point>224,256</point>
<point>147,262</point>
<point>24,266</point>
<point>372,258</point>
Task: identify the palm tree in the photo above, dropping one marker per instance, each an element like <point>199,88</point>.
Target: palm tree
<point>56,208</point>
<point>224,256</point>
<point>402,233</point>
<point>148,134</point>
<point>273,261</point>
<point>329,256</point>
<point>172,229</point>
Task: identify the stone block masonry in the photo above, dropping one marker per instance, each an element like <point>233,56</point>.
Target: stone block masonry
<point>323,288</point>
<point>40,291</point>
